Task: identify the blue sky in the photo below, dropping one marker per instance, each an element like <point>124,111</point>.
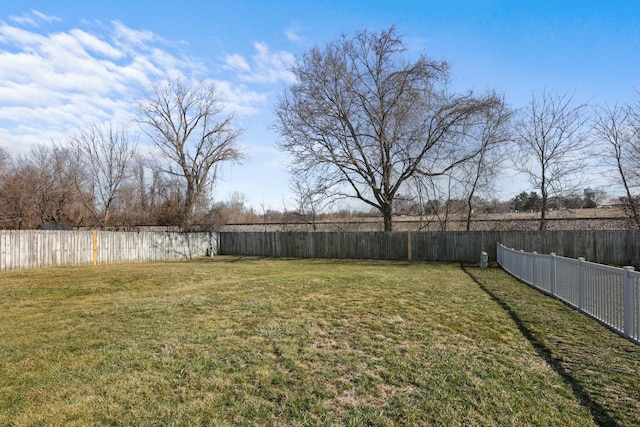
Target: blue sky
<point>66,64</point>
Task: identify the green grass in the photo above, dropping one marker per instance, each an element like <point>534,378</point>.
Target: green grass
<point>230,341</point>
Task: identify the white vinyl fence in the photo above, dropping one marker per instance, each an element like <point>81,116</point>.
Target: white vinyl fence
<point>609,294</point>
<point>20,249</point>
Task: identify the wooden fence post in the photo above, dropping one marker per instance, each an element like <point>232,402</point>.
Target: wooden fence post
<point>95,247</point>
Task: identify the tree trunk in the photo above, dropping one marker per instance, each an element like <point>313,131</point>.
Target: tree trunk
<point>469,213</point>
<point>387,213</point>
<point>543,212</point>
<point>632,203</point>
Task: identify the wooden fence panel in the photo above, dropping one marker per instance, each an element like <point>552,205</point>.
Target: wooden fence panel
<point>614,247</point>
<point>20,249</point>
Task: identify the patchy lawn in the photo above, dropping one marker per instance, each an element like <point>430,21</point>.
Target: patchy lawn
<point>246,341</point>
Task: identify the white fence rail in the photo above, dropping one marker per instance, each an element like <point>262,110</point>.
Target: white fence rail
<point>609,294</point>
<point>20,249</point>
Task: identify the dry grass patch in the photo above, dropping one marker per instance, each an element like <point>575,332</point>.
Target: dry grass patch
<point>231,341</point>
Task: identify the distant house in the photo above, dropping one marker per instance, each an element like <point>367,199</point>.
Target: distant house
<point>59,227</point>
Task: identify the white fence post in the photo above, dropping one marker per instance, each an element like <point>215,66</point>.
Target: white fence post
<point>534,276</point>
<point>581,283</point>
<point>629,303</point>
<point>553,274</point>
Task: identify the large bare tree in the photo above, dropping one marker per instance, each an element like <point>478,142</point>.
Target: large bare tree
<point>365,119</point>
<point>551,135</point>
<point>105,157</point>
<point>188,125</point>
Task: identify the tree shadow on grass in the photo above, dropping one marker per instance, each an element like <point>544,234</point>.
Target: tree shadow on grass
<point>598,412</point>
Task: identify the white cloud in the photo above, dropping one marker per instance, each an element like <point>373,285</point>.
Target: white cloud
<point>273,67</point>
<point>292,35</point>
<point>239,98</point>
<point>54,82</point>
<point>94,44</point>
<point>237,62</point>
<point>32,18</point>
<point>46,18</point>
<point>11,35</point>
<point>24,20</point>
<point>129,39</point>
<point>265,66</point>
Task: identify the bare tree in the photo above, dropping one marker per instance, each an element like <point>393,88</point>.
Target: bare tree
<point>366,120</point>
<point>47,175</point>
<point>188,125</point>
<point>478,173</point>
<point>16,201</point>
<point>142,193</point>
<point>310,197</point>
<point>434,199</point>
<point>428,204</point>
<point>615,127</point>
<point>5,160</point>
<point>14,195</point>
<point>105,155</point>
<point>551,136</point>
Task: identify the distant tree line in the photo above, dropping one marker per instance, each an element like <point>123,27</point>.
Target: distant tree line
<point>364,120</point>
<point>526,202</point>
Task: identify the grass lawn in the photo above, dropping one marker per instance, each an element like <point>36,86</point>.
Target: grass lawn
<point>245,341</point>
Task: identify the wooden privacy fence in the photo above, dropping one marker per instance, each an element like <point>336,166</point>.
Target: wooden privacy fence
<point>615,247</point>
<point>31,249</point>
<point>34,248</point>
